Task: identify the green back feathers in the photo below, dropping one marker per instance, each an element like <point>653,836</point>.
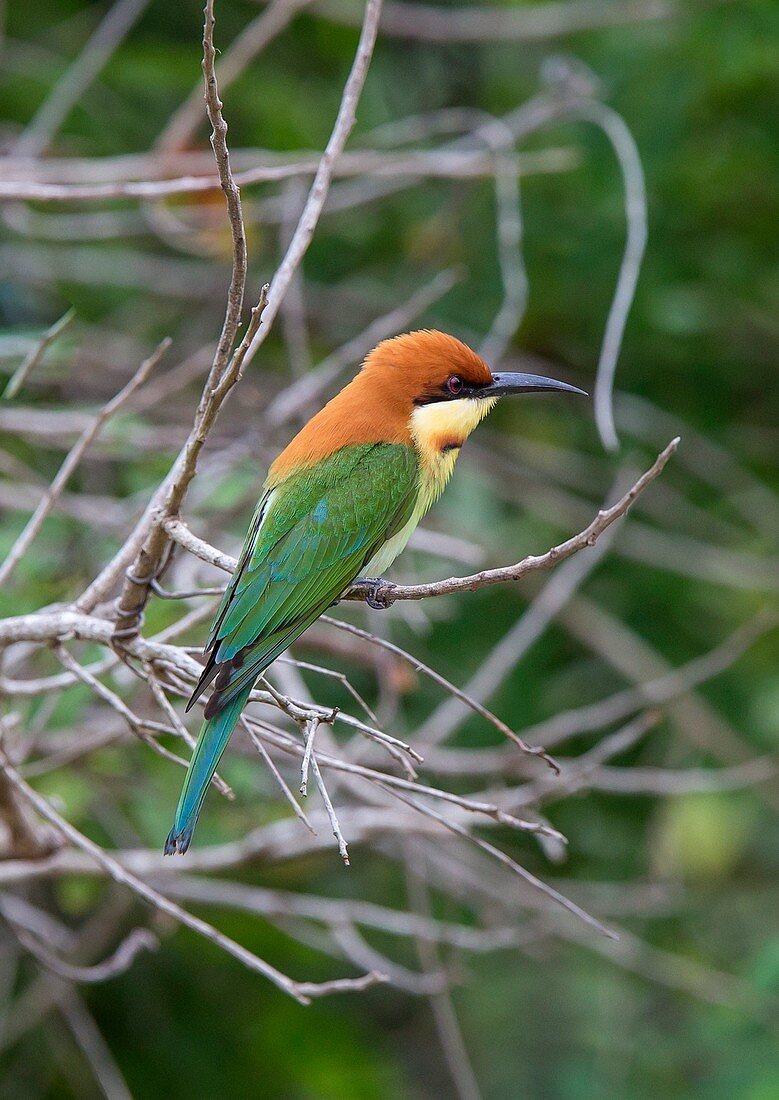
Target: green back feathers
<point>310,537</point>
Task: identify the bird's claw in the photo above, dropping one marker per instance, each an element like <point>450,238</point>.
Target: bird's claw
<point>379,594</point>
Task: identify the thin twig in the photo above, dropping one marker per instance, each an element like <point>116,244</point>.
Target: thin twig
<point>71,86</point>
<point>538,22</point>
<point>31,361</point>
<point>301,992</point>
<point>225,371</point>
<point>396,783</point>
<point>312,725</point>
<point>622,141</point>
<point>296,807</point>
<point>588,537</point>
<point>139,939</point>
<point>232,195</point>
<point>73,458</point>
<point>347,114</point>
<point>343,851</point>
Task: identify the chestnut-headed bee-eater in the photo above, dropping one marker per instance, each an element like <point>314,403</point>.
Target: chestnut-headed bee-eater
<point>339,503</point>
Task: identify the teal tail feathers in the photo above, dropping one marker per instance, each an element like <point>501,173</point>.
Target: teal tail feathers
<point>211,743</point>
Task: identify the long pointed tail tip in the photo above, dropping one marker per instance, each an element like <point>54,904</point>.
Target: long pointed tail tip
<point>178,841</point>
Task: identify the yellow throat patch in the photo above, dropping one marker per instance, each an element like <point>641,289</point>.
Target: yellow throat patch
<point>439,430</point>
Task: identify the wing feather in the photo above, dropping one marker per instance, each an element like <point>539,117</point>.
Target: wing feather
<point>309,538</point>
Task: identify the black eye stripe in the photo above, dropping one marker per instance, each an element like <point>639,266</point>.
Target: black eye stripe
<point>467,389</point>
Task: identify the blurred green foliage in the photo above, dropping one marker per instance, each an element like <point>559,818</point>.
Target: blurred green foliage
<point>699,93</point>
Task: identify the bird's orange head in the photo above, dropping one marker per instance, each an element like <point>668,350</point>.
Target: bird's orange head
<point>424,389</point>
<point>422,367</point>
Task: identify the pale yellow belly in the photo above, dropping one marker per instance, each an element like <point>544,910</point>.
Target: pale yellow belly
<point>381,561</point>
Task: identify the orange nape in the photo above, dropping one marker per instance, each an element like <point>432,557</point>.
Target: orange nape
<point>378,404</point>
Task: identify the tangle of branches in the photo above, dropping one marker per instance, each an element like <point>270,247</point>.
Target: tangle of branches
<point>351,778</point>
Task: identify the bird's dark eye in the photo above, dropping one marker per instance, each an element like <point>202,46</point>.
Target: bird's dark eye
<point>454,384</point>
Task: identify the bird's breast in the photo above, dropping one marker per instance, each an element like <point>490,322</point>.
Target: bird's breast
<point>435,469</point>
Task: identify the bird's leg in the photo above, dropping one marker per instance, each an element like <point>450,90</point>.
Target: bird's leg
<point>379,595</point>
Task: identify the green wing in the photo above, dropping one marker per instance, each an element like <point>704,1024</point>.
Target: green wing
<point>309,538</point>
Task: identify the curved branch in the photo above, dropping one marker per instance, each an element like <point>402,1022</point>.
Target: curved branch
<point>139,939</point>
<point>388,593</point>
<point>539,22</point>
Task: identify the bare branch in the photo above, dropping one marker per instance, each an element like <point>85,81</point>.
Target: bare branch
<point>31,361</point>
<point>72,460</point>
<point>617,131</point>
<point>225,370</point>
<point>588,537</point>
<point>232,195</point>
<point>343,851</point>
<point>389,593</point>
<point>115,870</point>
<point>399,170</point>
<point>296,807</point>
<point>537,22</point>
<point>68,90</point>
<point>319,188</point>
<point>180,533</point>
<point>311,727</point>
<point>139,939</point>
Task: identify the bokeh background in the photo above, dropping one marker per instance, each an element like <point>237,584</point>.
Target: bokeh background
<point>693,872</point>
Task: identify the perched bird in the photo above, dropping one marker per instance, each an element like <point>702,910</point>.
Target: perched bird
<point>339,503</point>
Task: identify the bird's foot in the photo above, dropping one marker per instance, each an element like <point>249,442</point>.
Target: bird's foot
<point>379,594</point>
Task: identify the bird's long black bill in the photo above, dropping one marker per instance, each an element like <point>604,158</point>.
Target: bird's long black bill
<point>508,382</point>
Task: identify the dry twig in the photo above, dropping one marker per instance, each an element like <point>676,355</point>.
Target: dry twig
<point>301,992</point>
<point>31,361</point>
<point>374,805</point>
<point>72,460</point>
